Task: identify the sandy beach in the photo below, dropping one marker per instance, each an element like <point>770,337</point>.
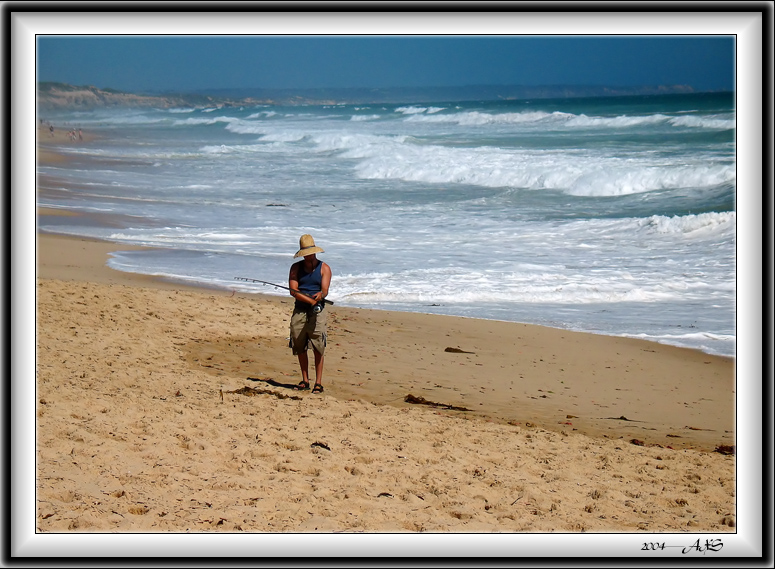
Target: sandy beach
<point>167,408</point>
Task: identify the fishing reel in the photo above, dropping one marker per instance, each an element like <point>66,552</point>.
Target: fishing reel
<point>318,308</point>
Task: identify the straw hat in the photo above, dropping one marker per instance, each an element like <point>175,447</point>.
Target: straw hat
<point>307,247</point>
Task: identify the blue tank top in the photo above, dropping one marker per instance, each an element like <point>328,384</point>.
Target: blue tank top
<point>310,283</point>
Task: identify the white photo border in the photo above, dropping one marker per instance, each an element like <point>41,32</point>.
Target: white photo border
<point>748,28</point>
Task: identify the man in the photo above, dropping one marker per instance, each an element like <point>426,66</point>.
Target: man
<point>309,281</point>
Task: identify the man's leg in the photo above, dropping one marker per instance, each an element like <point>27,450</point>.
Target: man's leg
<point>318,367</point>
<point>304,365</point>
<point>298,342</point>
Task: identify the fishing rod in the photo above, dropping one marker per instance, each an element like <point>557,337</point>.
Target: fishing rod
<point>324,301</point>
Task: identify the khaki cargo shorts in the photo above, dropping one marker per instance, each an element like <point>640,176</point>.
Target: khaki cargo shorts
<point>308,329</point>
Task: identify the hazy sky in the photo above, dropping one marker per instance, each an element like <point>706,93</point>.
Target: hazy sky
<point>187,63</point>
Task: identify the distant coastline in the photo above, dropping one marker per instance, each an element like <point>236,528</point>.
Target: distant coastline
<point>52,96</point>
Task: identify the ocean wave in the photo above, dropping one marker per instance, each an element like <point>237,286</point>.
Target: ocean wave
<point>688,336</point>
<point>262,114</point>
<point>192,121</point>
<point>718,225</point>
<point>571,172</point>
<point>477,118</point>
<point>558,292</point>
<point>411,110</point>
<point>283,136</point>
<point>220,149</point>
<point>552,283</point>
<point>183,238</point>
<point>688,224</point>
<point>415,110</point>
<point>562,119</point>
<point>267,129</point>
<point>244,127</point>
<point>357,145</point>
<point>618,180</point>
<point>704,122</point>
<point>715,344</point>
<point>623,121</point>
<point>231,149</point>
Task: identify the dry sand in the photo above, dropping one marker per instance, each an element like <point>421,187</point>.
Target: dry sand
<point>166,408</point>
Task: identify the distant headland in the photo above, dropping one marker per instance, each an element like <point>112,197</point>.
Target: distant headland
<point>63,96</point>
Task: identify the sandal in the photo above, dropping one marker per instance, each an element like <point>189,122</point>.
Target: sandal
<point>303,386</point>
<point>318,388</point>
